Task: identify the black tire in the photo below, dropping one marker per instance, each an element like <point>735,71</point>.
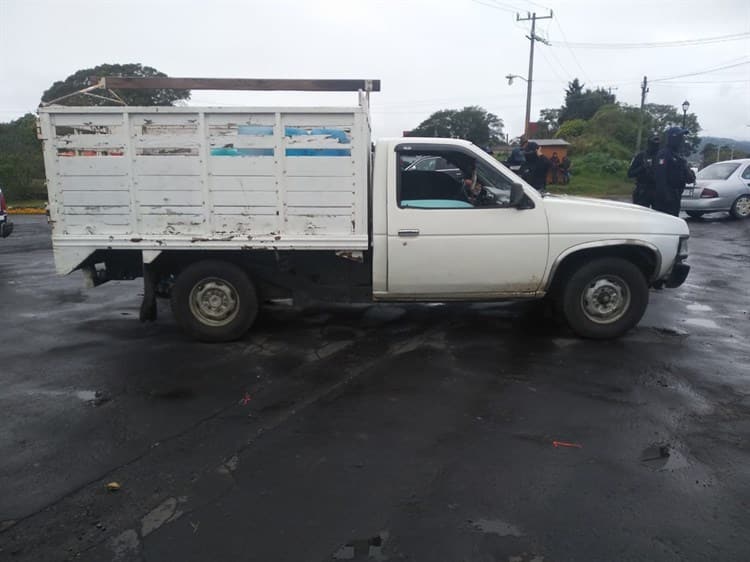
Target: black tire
<point>741,207</point>
<point>695,214</point>
<point>214,301</point>
<point>598,286</point>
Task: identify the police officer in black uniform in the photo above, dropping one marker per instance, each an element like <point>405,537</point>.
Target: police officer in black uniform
<point>671,173</point>
<point>641,168</point>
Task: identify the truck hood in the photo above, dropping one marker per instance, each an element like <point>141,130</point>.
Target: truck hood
<point>583,215</point>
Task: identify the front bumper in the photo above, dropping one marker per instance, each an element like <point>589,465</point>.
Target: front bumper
<point>6,227</point>
<point>677,276</point>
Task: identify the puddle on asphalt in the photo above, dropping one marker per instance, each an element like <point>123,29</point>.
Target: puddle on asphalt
<point>497,527</point>
<point>697,307</point>
<point>670,331</point>
<point>381,314</point>
<point>363,549</point>
<point>86,395</point>
<point>702,322</point>
<point>664,457</point>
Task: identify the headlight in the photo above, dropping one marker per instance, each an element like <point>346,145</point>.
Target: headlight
<point>682,249</point>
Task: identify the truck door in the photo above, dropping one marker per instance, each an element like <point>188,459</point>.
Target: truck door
<point>451,238</point>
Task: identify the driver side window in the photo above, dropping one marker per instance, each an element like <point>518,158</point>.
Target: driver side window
<point>447,179</point>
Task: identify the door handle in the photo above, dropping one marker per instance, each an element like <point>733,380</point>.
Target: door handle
<point>409,232</point>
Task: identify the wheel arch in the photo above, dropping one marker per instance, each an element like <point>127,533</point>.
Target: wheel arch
<point>644,255</point>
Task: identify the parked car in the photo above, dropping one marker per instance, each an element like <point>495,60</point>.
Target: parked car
<point>722,186</point>
<point>6,227</point>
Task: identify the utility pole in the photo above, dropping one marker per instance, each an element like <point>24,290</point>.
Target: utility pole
<point>644,91</point>
<point>533,37</point>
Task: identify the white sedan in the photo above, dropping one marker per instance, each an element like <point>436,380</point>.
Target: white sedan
<point>722,186</point>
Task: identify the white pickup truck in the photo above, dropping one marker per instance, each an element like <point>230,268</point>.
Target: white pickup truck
<point>222,208</point>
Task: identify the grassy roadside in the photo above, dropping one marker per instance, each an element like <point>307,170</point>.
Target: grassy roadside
<point>27,207</point>
<point>593,185</point>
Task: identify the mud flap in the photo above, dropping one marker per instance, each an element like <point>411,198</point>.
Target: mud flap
<point>148,305</point>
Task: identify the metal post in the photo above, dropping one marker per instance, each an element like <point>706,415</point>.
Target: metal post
<point>530,78</point>
<point>532,38</point>
<point>644,91</point>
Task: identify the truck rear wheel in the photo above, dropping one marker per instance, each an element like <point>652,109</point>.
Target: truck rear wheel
<point>604,298</point>
<point>214,301</point>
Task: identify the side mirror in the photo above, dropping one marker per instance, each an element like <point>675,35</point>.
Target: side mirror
<point>516,195</point>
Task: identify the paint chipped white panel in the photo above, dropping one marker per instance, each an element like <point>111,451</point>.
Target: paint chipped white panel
<point>308,224</point>
<point>92,166</point>
<point>319,120</point>
<point>167,166</point>
<point>94,210</point>
<point>247,225</point>
<point>320,166</point>
<point>85,118</point>
<point>230,122</point>
<point>243,183</point>
<point>93,142</point>
<point>171,223</point>
<point>95,224</point>
<point>320,184</point>
<point>245,198</point>
<point>103,198</point>
<point>242,165</point>
<point>150,200</point>
<point>246,210</point>
<point>170,197</point>
<point>93,183</point>
<point>159,183</point>
<point>320,199</point>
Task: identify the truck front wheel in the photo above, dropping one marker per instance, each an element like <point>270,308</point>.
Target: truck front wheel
<point>214,301</point>
<point>604,298</point>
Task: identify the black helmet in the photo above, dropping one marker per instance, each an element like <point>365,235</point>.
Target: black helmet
<point>675,136</point>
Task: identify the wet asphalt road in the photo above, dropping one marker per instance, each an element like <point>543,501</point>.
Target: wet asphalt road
<point>375,432</point>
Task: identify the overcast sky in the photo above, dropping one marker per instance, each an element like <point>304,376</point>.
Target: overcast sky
<point>429,54</point>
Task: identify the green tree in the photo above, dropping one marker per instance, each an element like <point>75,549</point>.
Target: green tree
<point>471,123</point>
<point>711,153</point>
<point>660,117</point>
<point>548,123</point>
<point>571,129</point>
<point>580,104</point>
<point>82,79</point>
<point>21,162</point>
<point>616,122</point>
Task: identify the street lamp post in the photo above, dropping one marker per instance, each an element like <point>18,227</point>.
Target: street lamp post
<point>685,107</point>
<point>510,78</point>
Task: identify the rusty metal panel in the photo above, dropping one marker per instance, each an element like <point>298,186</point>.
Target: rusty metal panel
<point>275,84</point>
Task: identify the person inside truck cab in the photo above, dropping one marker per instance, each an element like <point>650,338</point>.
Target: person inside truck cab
<point>474,192</point>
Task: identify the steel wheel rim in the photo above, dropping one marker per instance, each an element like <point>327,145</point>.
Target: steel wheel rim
<point>605,299</point>
<point>742,206</point>
<point>214,302</point>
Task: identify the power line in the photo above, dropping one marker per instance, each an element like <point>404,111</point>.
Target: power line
<point>572,53</point>
<point>652,45</point>
<point>495,6</point>
<point>716,69</point>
